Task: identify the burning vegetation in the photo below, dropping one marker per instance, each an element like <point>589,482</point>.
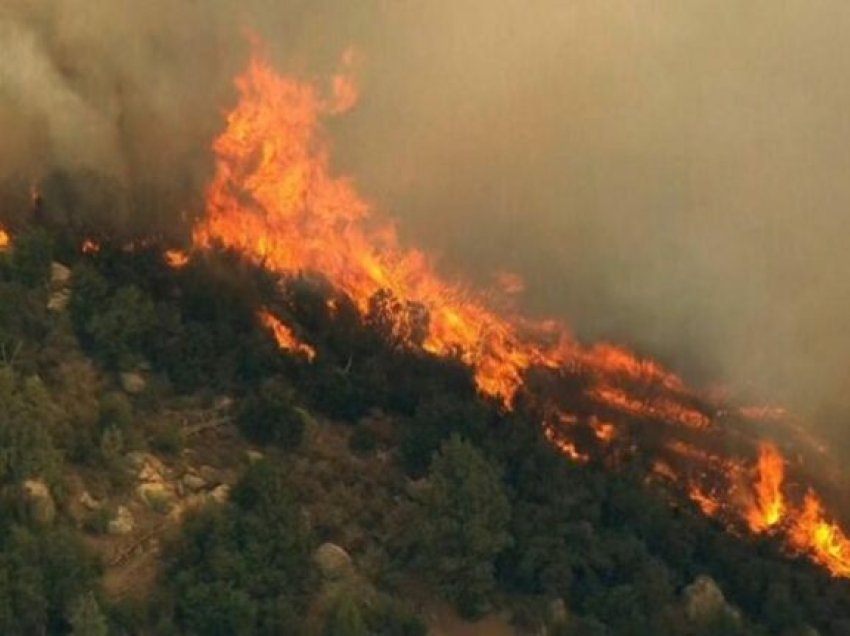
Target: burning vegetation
<point>275,200</point>
<point>592,473</point>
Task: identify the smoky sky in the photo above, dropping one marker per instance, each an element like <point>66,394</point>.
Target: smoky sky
<point>667,174</point>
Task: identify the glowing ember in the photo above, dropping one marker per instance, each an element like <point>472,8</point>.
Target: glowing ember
<point>90,247</point>
<point>285,337</point>
<point>176,258</point>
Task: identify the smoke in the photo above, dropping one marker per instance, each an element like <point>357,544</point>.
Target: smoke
<point>665,174</point>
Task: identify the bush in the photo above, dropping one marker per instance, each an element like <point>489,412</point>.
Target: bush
<point>269,416</point>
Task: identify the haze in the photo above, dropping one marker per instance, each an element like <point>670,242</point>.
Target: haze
<point>669,175</point>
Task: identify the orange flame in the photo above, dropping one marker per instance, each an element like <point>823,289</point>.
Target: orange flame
<point>274,199</point>
<point>769,505</point>
<point>285,337</point>
<point>811,532</point>
<point>90,247</point>
<point>5,239</point>
<point>176,258</point>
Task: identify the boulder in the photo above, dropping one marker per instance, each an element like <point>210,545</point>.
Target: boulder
<point>704,600</point>
<point>220,494</point>
<point>333,561</point>
<point>558,612</point>
<point>88,502</point>
<point>58,300</point>
<point>133,382</point>
<point>122,523</point>
<point>60,275</point>
<point>210,475</point>
<point>158,496</point>
<point>194,483</point>
<point>253,456</point>
<point>40,505</point>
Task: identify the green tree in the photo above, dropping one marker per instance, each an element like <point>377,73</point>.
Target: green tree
<point>86,618</point>
<point>269,416</point>
<point>346,618</point>
<point>120,332</point>
<point>27,415</point>
<point>465,514</point>
<point>31,258</point>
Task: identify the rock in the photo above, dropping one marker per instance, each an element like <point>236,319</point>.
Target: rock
<point>704,600</point>
<point>193,482</point>
<point>40,505</point>
<point>122,523</point>
<point>60,275</point>
<point>149,468</point>
<point>333,561</point>
<point>158,496</point>
<point>136,459</point>
<point>558,613</point>
<point>253,456</point>
<point>220,494</point>
<point>88,502</point>
<point>58,300</point>
<point>210,475</point>
<point>133,382</point>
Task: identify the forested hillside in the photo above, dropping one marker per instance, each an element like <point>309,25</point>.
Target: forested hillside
<point>168,468</point>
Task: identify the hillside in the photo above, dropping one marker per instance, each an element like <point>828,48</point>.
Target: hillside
<point>176,462</point>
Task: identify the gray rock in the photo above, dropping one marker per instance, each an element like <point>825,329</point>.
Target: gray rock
<point>253,456</point>
<point>333,561</point>
<point>704,600</point>
<point>60,275</point>
<point>558,612</point>
<point>220,494</point>
<point>122,523</point>
<point>88,502</point>
<point>40,505</point>
<point>133,382</point>
<point>58,300</point>
<point>210,475</point>
<point>194,483</point>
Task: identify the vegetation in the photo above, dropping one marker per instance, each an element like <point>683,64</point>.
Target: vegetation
<point>432,486</point>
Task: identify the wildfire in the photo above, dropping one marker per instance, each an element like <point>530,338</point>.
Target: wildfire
<point>176,258</point>
<point>275,200</point>
<point>769,505</point>
<point>822,539</point>
<point>90,247</point>
<point>286,339</point>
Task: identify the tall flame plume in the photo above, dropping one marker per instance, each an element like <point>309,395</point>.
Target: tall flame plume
<point>275,200</point>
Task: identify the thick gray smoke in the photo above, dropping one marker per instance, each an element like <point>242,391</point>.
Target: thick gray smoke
<point>668,174</point>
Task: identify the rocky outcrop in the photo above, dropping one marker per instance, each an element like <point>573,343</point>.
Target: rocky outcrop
<point>704,601</point>
<point>122,523</point>
<point>333,561</point>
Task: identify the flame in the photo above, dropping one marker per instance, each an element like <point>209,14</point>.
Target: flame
<point>822,539</point>
<point>285,337</point>
<point>605,431</point>
<point>90,246</point>
<point>176,258</point>
<point>5,239</point>
<point>275,200</point>
<point>769,505</point>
